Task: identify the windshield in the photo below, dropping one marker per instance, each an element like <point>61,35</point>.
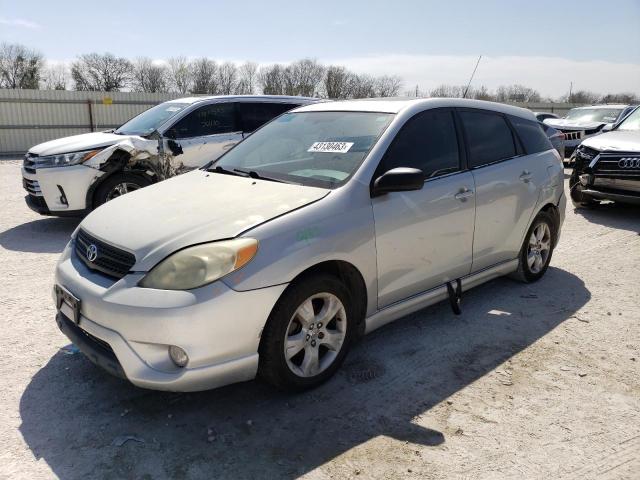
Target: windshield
<point>310,148</point>
<point>606,115</point>
<point>632,122</point>
<point>149,120</point>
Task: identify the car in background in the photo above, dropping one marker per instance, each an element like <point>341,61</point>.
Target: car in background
<point>584,122</point>
<point>542,116</point>
<point>607,167</point>
<point>556,138</point>
<point>73,175</point>
<point>325,224</point>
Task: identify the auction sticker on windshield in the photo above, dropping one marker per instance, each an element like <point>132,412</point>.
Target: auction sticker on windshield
<point>330,147</point>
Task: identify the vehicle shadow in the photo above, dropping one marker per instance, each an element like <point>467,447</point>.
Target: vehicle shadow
<point>45,235</point>
<point>615,215</point>
<point>74,416</point>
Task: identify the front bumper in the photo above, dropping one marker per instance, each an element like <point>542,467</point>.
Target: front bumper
<point>617,196</point>
<point>218,327</point>
<point>60,190</point>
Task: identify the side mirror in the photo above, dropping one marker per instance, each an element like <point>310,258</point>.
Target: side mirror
<point>171,133</point>
<point>607,128</point>
<point>400,179</point>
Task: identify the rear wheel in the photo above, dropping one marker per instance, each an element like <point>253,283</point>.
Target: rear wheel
<point>537,249</point>
<point>308,333</point>
<point>117,185</point>
<point>579,199</point>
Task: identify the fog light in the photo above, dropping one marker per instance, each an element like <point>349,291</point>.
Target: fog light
<point>178,356</point>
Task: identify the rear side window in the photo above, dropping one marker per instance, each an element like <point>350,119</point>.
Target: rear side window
<point>531,134</point>
<point>489,137</point>
<point>428,141</point>
<point>207,120</point>
<point>254,115</point>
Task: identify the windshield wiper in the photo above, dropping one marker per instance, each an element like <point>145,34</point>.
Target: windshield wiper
<point>256,175</point>
<point>224,171</point>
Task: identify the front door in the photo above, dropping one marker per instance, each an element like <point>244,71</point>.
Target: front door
<point>424,238</point>
<point>203,135</point>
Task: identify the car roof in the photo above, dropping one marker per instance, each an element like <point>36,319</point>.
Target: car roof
<point>397,105</point>
<point>259,98</point>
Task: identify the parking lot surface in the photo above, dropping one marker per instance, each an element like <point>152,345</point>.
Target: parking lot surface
<point>531,381</point>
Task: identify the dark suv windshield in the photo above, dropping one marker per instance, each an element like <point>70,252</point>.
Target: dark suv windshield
<point>310,148</point>
<point>149,120</point>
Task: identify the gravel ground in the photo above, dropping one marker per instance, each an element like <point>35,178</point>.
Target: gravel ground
<point>532,381</point>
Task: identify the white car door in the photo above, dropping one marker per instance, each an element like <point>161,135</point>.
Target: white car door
<point>204,134</point>
<point>424,238</point>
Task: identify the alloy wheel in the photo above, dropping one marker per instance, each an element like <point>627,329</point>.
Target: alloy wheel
<point>539,248</point>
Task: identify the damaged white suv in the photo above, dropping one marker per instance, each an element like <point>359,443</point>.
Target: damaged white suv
<point>73,175</point>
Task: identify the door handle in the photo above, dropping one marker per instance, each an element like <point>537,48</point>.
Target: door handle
<point>525,176</point>
<point>463,194</point>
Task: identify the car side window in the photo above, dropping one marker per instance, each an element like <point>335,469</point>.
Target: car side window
<point>531,134</point>
<point>209,119</point>
<point>429,142</point>
<point>255,114</point>
<point>489,138</point>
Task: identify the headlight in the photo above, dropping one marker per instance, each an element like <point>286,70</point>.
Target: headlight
<point>64,159</point>
<point>196,266</point>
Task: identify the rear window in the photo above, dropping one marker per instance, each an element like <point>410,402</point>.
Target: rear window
<point>255,114</point>
<point>531,134</point>
<point>489,138</point>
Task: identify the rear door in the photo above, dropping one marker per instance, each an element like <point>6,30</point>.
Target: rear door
<point>204,134</point>
<point>253,115</point>
<point>424,238</point>
<point>508,184</point>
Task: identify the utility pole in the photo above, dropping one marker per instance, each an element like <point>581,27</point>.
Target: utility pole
<point>466,90</point>
<point>416,91</point>
<point>570,91</point>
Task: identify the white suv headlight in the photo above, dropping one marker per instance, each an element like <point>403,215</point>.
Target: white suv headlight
<point>64,159</point>
<point>199,265</point>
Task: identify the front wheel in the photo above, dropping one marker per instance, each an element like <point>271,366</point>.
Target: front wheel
<point>308,334</point>
<point>117,185</point>
<point>537,249</point>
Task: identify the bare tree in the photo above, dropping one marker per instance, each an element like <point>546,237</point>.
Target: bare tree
<point>180,75</point>
<point>20,67</point>
<point>247,78</point>
<point>337,82</point>
<point>227,78</point>
<point>626,97</point>
<point>149,77</point>
<point>303,77</point>
<point>362,86</point>
<point>387,86</point>
<point>447,91</point>
<point>204,73</point>
<point>55,77</point>
<point>272,79</point>
<point>101,72</point>
<point>517,93</point>
<point>583,96</point>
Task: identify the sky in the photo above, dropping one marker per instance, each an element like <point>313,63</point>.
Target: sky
<point>541,44</point>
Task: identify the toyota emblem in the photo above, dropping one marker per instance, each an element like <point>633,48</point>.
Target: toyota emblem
<point>92,252</point>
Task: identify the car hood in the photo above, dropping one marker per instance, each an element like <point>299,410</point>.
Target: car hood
<point>563,123</point>
<point>618,140</point>
<point>193,208</point>
<point>77,143</point>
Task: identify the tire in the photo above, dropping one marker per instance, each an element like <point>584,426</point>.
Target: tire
<point>106,190</point>
<point>292,324</point>
<point>579,199</point>
<point>527,272</point>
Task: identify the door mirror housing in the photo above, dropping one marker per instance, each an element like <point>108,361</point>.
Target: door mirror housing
<point>400,179</point>
<point>607,128</point>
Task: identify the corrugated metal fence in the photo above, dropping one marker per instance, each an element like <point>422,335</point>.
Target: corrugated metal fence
<point>30,117</point>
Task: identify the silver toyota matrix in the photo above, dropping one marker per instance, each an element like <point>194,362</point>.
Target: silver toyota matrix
<point>325,224</point>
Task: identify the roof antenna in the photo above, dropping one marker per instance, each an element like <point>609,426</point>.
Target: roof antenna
<point>466,90</point>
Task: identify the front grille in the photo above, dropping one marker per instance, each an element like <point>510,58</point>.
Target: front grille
<point>618,165</point>
<point>32,186</point>
<point>572,134</point>
<point>109,260</point>
<point>29,162</point>
<point>99,343</point>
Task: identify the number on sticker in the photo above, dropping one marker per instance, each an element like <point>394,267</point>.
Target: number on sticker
<point>330,147</point>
